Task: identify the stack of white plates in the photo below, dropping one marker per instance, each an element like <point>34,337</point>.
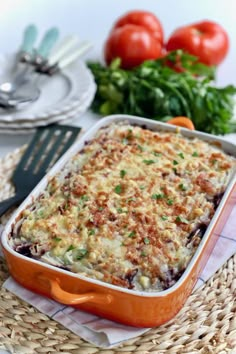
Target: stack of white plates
<point>63,98</point>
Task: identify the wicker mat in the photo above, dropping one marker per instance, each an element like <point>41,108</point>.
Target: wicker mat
<point>206,324</point>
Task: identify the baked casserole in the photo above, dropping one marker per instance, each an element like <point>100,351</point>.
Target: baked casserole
<point>129,209</point>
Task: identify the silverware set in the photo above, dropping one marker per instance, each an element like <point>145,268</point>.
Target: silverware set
<point>34,63</point>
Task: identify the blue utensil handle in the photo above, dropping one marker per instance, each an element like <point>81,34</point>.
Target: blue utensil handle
<point>48,42</point>
<point>29,38</point>
<point>5,205</point>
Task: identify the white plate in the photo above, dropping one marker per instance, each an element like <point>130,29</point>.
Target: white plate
<point>24,131</point>
<point>20,126</point>
<point>65,118</point>
<point>59,93</point>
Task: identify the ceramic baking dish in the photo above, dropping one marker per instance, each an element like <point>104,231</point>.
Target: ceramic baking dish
<point>137,308</point>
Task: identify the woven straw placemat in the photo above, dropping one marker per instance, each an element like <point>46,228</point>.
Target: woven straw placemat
<point>206,324</point>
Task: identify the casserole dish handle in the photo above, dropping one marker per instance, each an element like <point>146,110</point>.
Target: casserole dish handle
<point>67,298</point>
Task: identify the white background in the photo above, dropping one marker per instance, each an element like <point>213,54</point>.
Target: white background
<point>92,20</point>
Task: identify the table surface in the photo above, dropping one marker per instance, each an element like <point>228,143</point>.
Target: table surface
<point>92,20</point>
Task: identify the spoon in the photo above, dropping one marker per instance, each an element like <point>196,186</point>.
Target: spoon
<point>29,94</point>
<point>24,56</point>
<point>32,91</point>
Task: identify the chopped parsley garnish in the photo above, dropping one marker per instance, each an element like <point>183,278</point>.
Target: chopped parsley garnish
<point>146,241</point>
<point>143,254</point>
<point>181,155</point>
<point>148,162</point>
<point>118,189</point>
<point>131,200</point>
<point>195,154</point>
<point>157,196</point>
<point>70,248</point>
<point>164,217</point>
<point>132,234</point>
<point>120,210</point>
<point>122,173</point>
<point>81,253</point>
<point>91,232</point>
<point>181,219</point>
<point>156,153</point>
<point>182,187</point>
<point>175,170</point>
<point>140,148</point>
<point>57,239</point>
<point>170,201</point>
<point>175,162</point>
<point>84,198</point>
<point>41,213</point>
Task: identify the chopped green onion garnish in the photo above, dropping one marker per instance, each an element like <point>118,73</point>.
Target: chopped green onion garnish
<point>85,198</point>
<point>195,154</point>
<point>81,253</point>
<point>122,173</point>
<point>148,162</point>
<point>157,196</point>
<point>181,155</point>
<point>146,241</point>
<point>164,217</point>
<point>140,148</point>
<point>118,189</point>
<point>170,201</point>
<point>57,239</point>
<point>132,234</point>
<point>181,219</point>
<point>124,141</point>
<point>131,200</point>
<point>41,213</point>
<point>156,153</point>
<point>142,187</point>
<point>175,162</point>
<point>91,232</point>
<point>143,254</point>
<point>182,187</point>
<point>120,210</point>
<point>70,248</point>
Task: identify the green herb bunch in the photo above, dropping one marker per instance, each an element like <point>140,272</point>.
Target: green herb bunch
<point>157,90</point>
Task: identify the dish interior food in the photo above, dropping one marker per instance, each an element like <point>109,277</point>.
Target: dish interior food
<point>129,209</point>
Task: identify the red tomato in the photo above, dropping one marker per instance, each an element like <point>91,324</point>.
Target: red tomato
<point>206,40</point>
<point>133,44</point>
<point>144,19</point>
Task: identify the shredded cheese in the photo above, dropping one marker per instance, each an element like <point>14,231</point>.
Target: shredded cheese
<point>130,209</point>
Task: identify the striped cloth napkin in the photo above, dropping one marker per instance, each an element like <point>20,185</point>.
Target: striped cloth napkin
<point>105,333</point>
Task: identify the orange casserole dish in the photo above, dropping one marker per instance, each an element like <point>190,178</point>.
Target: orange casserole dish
<point>145,279</point>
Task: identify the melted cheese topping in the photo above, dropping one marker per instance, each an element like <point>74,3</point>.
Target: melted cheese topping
<point>130,209</point>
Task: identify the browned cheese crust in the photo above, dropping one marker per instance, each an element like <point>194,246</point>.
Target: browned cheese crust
<point>130,209</point>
